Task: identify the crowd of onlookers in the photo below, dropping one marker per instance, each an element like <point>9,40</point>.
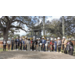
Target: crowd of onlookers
<point>40,44</point>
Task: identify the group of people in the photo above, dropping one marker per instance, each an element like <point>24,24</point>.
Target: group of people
<point>40,44</point>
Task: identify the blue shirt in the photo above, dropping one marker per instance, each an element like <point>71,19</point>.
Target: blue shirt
<point>55,43</point>
<point>43,41</point>
<point>23,42</point>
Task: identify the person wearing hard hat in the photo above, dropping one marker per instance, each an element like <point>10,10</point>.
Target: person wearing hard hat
<point>9,43</point>
<point>65,44</point>
<point>38,45</point>
<point>48,45</point>
<point>70,47</point>
<point>33,43</point>
<point>43,44</point>
<point>55,45</point>
<point>4,45</point>
<point>12,43</point>
<point>51,44</point>
<point>16,43</point>
<point>25,43</point>
<point>20,42</point>
<point>28,44</point>
<point>59,43</point>
<point>63,40</point>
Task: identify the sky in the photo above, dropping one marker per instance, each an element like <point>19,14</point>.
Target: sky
<point>50,18</point>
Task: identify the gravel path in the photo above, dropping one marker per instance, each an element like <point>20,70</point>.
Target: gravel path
<point>34,55</point>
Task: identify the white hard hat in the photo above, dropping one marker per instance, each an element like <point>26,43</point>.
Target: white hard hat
<point>39,38</point>
<point>63,37</point>
<point>42,37</point>
<point>51,38</point>
<point>69,38</point>
<point>55,39</point>
<point>58,37</point>
<point>47,38</point>
<point>12,37</point>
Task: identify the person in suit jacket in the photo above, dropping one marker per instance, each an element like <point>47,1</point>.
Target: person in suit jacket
<point>16,43</point>
<point>43,44</point>
<point>12,43</point>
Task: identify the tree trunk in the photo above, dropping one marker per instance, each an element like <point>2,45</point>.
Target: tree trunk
<point>5,34</point>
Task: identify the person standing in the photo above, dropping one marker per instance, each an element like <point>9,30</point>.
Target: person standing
<point>43,44</point>
<point>48,44</point>
<point>59,43</point>
<point>4,45</point>
<point>28,44</point>
<point>12,43</point>
<point>51,44</point>
<point>20,42</point>
<point>38,44</point>
<point>65,44</point>
<point>55,45</point>
<point>33,42</point>
<point>23,44</point>
<point>63,40</point>
<point>71,48</point>
<point>16,43</point>
<point>9,43</point>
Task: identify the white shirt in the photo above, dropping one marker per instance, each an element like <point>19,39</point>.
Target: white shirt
<point>4,42</point>
<point>8,42</point>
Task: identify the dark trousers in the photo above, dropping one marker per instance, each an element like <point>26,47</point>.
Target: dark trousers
<point>4,47</point>
<point>65,51</point>
<point>16,46</point>
<point>55,49</point>
<point>12,47</point>
<point>25,47</point>
<point>70,52</point>
<point>59,48</point>
<point>43,47</point>
<point>8,46</point>
<point>20,47</point>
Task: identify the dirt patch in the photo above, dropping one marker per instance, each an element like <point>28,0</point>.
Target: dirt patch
<point>34,55</point>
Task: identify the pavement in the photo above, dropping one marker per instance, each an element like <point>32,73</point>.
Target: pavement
<point>33,55</point>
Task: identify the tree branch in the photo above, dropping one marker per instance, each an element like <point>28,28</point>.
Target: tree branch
<point>19,21</point>
<point>18,28</point>
<point>7,18</point>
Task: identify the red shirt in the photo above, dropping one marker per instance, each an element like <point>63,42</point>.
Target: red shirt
<point>51,43</point>
<point>31,41</point>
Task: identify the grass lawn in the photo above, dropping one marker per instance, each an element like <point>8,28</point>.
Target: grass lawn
<point>1,49</point>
